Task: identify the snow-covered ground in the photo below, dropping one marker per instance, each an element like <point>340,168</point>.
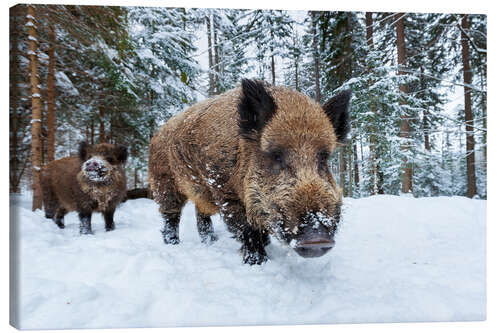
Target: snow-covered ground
<point>397,259</point>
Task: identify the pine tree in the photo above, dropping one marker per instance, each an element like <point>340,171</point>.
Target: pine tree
<point>36,109</point>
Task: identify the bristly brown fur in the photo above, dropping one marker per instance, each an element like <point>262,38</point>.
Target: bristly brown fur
<point>208,155</point>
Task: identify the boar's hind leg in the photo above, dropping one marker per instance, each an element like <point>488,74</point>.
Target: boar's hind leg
<point>85,226</point>
<point>108,219</point>
<point>49,199</point>
<point>254,240</point>
<point>59,218</point>
<point>205,228</point>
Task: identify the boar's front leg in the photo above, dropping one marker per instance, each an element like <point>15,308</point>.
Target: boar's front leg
<point>205,228</point>
<point>171,202</point>
<point>108,219</point>
<point>170,229</point>
<point>85,226</point>
<point>254,240</point>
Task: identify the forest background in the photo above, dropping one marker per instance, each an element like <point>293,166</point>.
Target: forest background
<point>115,74</point>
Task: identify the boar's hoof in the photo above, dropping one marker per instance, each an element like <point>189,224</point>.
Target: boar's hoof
<point>86,229</point>
<point>86,232</point>
<point>60,225</point>
<point>110,227</point>
<point>254,258</point>
<point>208,238</point>
<point>170,238</point>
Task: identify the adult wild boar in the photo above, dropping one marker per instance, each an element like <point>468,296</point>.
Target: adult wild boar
<point>258,154</point>
<point>93,181</point>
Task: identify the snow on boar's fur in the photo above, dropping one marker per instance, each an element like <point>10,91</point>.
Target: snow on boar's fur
<point>92,181</point>
<point>258,155</point>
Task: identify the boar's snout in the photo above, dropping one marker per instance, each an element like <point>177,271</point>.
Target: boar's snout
<point>96,170</point>
<point>314,243</point>
<point>315,238</point>
<point>92,166</point>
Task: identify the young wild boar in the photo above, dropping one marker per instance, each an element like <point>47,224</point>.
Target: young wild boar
<point>93,181</point>
<point>257,154</point>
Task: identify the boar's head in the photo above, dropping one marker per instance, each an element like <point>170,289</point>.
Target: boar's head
<point>100,161</point>
<point>288,139</point>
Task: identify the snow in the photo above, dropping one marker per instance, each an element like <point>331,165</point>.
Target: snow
<point>65,83</point>
<point>396,259</point>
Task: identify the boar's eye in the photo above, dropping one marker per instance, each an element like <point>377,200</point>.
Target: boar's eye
<point>277,157</point>
<point>323,157</point>
<point>277,160</point>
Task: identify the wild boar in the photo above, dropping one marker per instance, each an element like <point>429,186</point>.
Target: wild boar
<point>258,155</point>
<point>93,181</point>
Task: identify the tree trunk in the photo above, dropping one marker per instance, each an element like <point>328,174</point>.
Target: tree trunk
<point>405,124</point>
<point>92,131</point>
<point>136,178</point>
<point>369,29</point>
<point>469,118</point>
<point>210,59</point>
<point>351,170</point>
<point>373,143</point>
<point>316,57</point>
<point>273,71</point>
<point>151,128</point>
<point>296,75</point>
<point>273,66</point>
<point>342,171</point>
<point>484,114</point>
<point>36,112</point>
<point>356,163</point>
<point>380,180</point>
<point>216,57</point>
<point>14,99</point>
<point>50,98</point>
<point>427,143</point>
<point>102,131</point>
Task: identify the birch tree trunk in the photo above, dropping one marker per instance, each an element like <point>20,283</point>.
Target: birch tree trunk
<point>469,118</point>
<point>36,111</point>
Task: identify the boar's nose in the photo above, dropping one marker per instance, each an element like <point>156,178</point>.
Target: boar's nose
<point>314,243</point>
<point>92,166</point>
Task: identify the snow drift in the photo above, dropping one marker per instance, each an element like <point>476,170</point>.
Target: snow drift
<point>396,259</point>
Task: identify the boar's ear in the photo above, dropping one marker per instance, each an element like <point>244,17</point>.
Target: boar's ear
<point>337,109</point>
<point>121,152</point>
<point>255,108</point>
<point>82,150</point>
